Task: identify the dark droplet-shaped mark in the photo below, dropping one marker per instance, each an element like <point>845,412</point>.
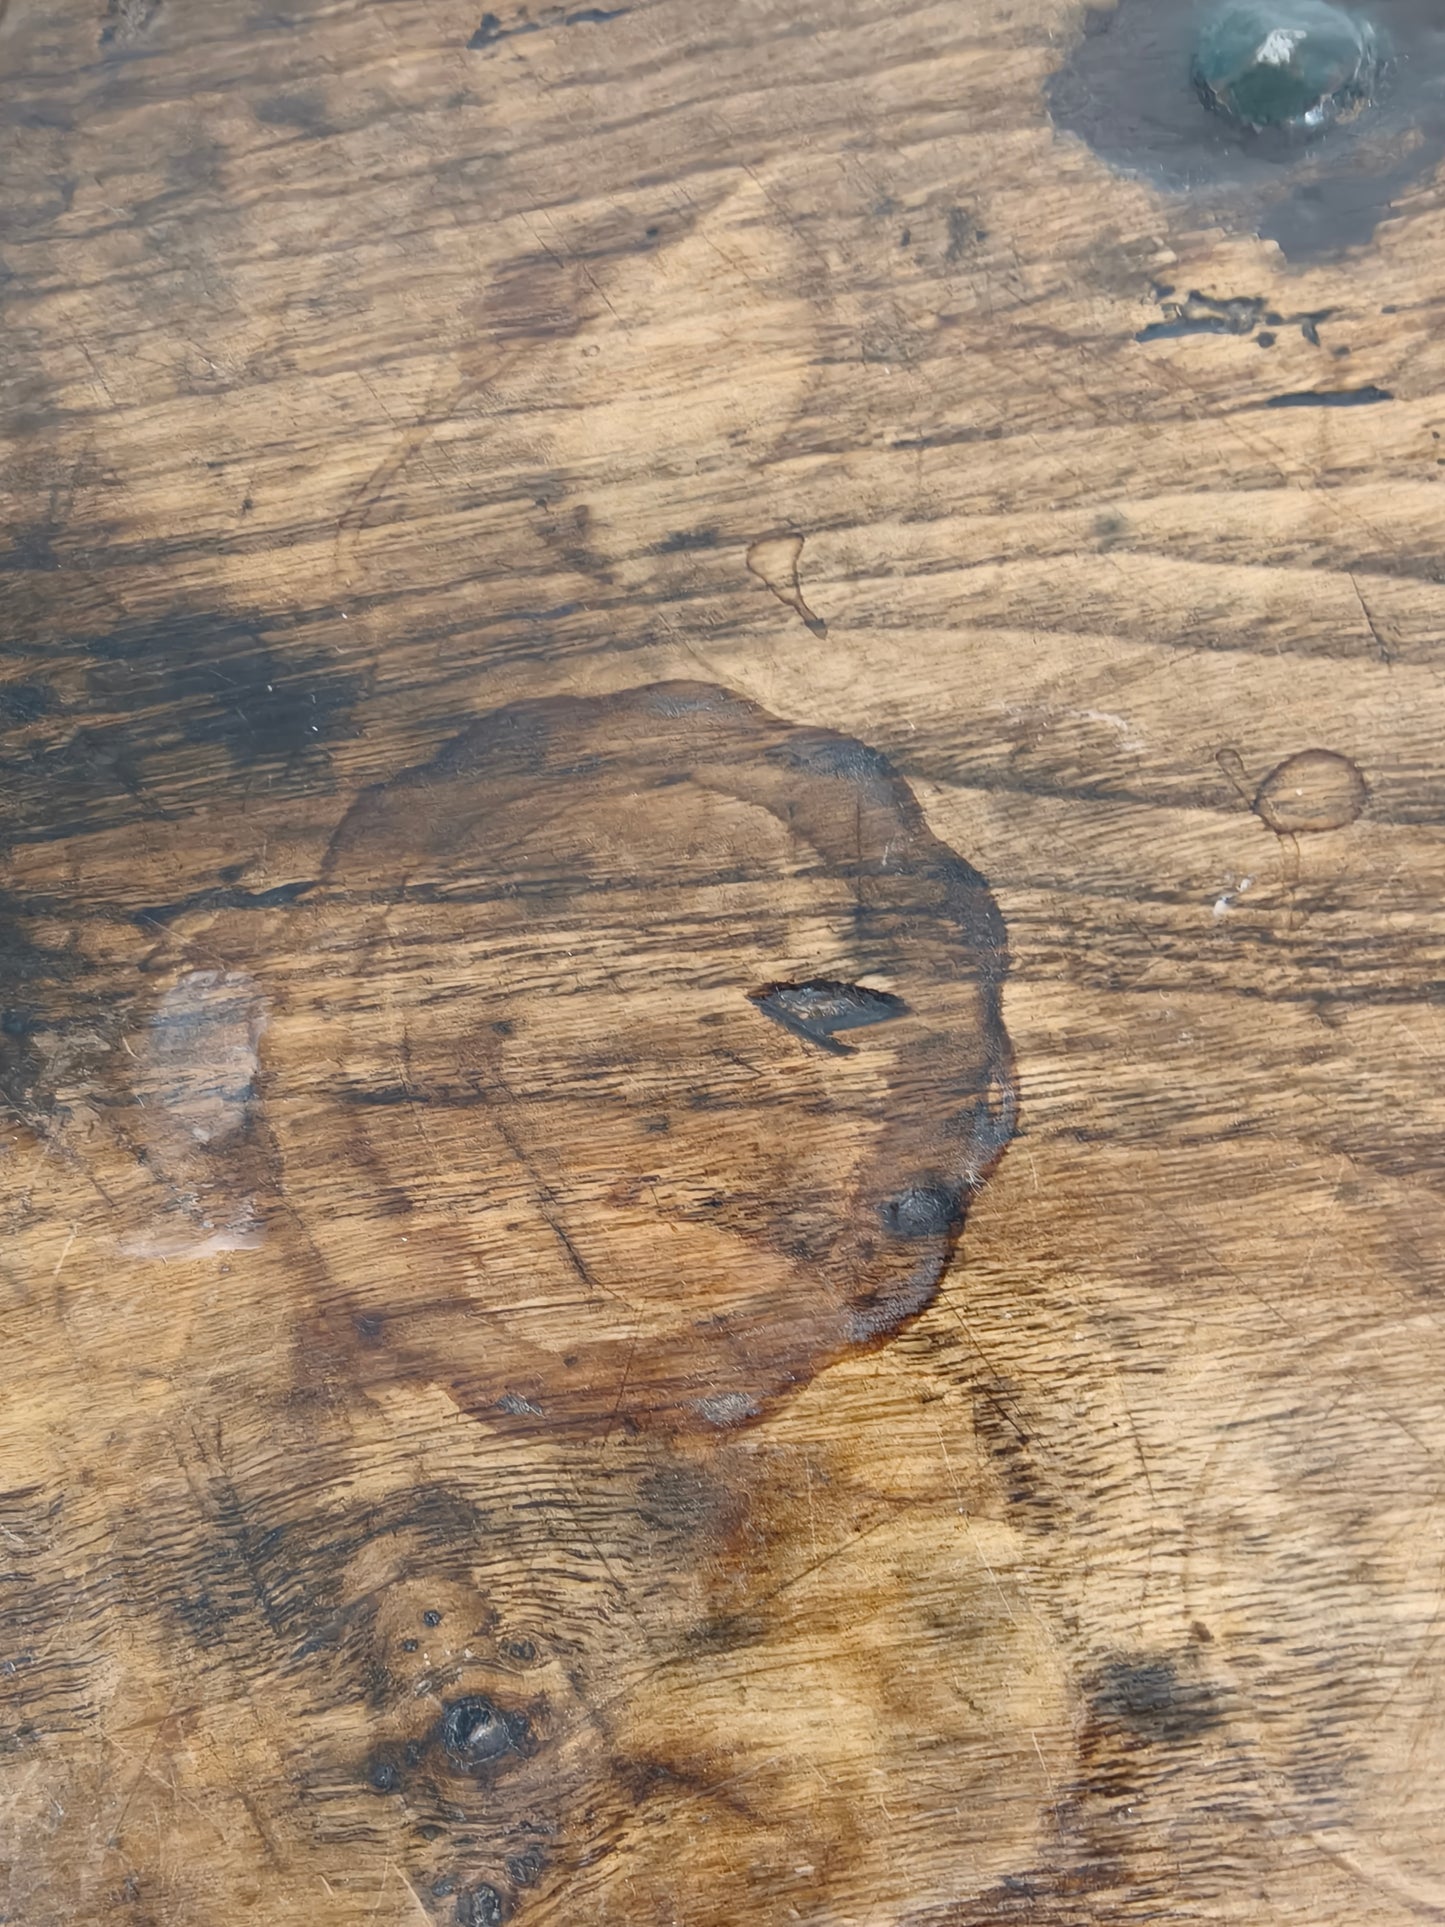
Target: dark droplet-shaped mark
<point>815,1010</point>
<point>1314,791</point>
<point>474,1733</point>
<point>1305,133</point>
<point>1331,398</point>
<point>1296,64</point>
<point>922,1211</point>
<point>774,561</point>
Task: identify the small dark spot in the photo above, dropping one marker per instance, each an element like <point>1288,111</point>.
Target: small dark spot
<point>369,1327</point>
<point>441,1888</point>
<point>1331,398</point>
<point>504,1027</point>
<point>130,1890</point>
<point>921,1211</point>
<point>905,239</point>
<point>1198,1630</point>
<point>651,233</point>
<point>431,1619</point>
<point>520,1649</point>
<point>1151,1699</point>
<point>1310,330</point>
<point>409,1645</point>
<point>1109,528</point>
<point>476,1733</point>
<point>681,540</point>
<point>1392,309</point>
<point>487,34</point>
<point>656,1126</point>
<point>525,1868</point>
<point>594,16</point>
<point>480,1907</point>
<point>1265,340</point>
<point>963,234</point>
<point>383,1775</point>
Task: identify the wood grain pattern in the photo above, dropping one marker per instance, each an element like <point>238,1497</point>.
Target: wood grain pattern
<point>373,373</point>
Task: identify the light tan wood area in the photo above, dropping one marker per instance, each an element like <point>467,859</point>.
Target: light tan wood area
<point>618,668</point>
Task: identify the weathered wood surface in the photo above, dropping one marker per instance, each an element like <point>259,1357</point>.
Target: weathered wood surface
<point>472,1448</point>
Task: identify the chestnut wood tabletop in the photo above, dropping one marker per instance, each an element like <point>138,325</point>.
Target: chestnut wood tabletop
<point>721,953</point>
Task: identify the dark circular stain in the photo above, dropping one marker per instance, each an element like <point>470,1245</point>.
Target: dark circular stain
<point>431,1619</point>
<point>1317,790</point>
<point>474,1732</point>
<point>525,1868</point>
<point>383,1776</point>
<point>1131,89</point>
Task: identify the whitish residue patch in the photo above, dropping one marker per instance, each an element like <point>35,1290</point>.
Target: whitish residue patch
<point>726,1408</point>
<point>1225,902</point>
<point>195,1089</point>
<point>1277,49</point>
